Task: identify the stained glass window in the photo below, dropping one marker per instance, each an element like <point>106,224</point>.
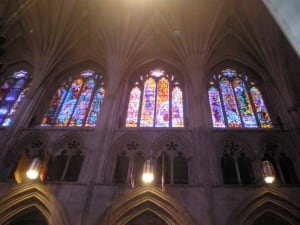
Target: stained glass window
<point>77,102</point>
<point>235,102</point>
<point>156,100</point>
<point>12,92</point>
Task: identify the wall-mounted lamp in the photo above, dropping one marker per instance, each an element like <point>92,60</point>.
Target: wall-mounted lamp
<point>34,169</point>
<point>268,172</point>
<point>148,171</point>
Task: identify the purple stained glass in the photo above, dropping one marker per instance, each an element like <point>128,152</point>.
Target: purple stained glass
<point>82,103</point>
<point>77,102</point>
<point>230,105</point>
<point>177,108</point>
<point>260,107</point>
<point>12,93</point>
<point>133,107</point>
<point>244,103</point>
<point>147,114</point>
<point>55,104</point>
<point>4,89</point>
<point>216,107</point>
<point>157,105</point>
<point>69,103</point>
<point>95,108</point>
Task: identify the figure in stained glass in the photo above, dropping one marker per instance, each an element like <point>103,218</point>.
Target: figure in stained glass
<point>236,103</point>
<point>77,102</point>
<point>157,106</point>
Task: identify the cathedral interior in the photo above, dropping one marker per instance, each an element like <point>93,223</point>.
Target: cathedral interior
<point>149,112</point>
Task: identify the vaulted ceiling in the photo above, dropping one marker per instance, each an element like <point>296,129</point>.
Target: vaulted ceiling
<point>54,36</point>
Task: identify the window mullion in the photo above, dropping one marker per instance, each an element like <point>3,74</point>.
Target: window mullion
<point>90,103</point>
<point>237,169</point>
<point>222,104</point>
<point>62,178</point>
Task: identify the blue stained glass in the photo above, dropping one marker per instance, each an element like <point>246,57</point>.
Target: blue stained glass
<point>230,105</point>
<point>216,107</point>
<point>69,103</point>
<point>177,108</point>
<point>55,104</point>
<point>77,105</point>
<point>262,112</point>
<point>244,103</point>
<point>160,104</point>
<point>228,73</point>
<point>83,103</point>
<point>133,107</point>
<point>15,91</point>
<point>147,117</point>
<point>12,93</point>
<point>237,103</point>
<point>95,108</point>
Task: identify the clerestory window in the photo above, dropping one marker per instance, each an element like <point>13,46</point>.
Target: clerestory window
<point>235,102</point>
<point>77,102</point>
<point>12,92</point>
<point>156,100</point>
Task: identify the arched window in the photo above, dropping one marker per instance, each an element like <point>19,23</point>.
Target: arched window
<point>155,101</point>
<point>77,102</point>
<point>235,102</point>
<point>12,92</point>
<point>66,164</point>
<point>236,166</point>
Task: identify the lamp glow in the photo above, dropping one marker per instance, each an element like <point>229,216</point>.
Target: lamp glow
<point>34,169</point>
<point>148,172</point>
<point>268,172</point>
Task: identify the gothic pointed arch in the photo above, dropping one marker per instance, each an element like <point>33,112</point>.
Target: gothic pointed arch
<point>146,199</point>
<point>67,158</point>
<point>266,201</point>
<point>124,154</point>
<point>237,160</point>
<point>31,196</point>
<point>282,157</point>
<point>173,159</point>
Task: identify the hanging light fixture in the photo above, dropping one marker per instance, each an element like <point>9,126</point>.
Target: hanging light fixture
<point>148,171</point>
<point>268,172</point>
<point>34,169</point>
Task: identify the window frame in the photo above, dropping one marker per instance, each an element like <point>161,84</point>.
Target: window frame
<point>248,85</point>
<point>140,84</point>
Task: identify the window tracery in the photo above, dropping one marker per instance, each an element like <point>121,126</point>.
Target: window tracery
<point>236,103</point>
<point>77,102</point>
<point>236,166</point>
<point>12,92</point>
<point>156,100</point>
<point>66,164</point>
